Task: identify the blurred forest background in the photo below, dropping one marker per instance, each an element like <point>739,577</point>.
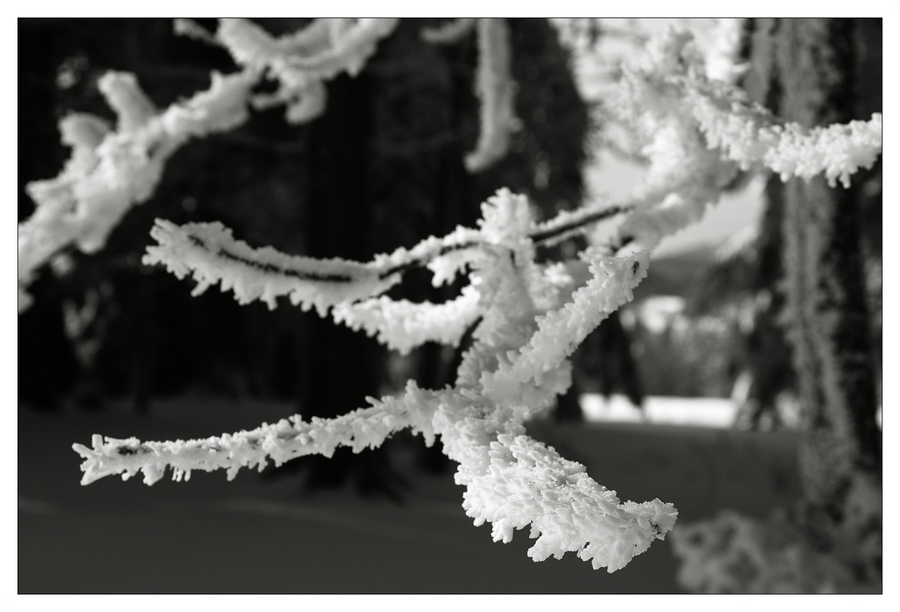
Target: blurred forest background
<point>381,169</point>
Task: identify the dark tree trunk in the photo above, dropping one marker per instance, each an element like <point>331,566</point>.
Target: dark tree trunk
<point>768,352</point>
<point>342,367</point>
<point>828,322</point>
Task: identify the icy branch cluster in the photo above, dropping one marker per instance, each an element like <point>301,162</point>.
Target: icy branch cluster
<point>112,170</point>
<point>530,320</point>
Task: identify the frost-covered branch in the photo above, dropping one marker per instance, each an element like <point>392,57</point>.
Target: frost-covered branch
<point>288,439</point>
<point>301,62</point>
<point>516,481</point>
<point>211,255</point>
<point>495,90</point>
<point>112,170</point>
<point>530,319</point>
<point>559,332</point>
<point>750,135</point>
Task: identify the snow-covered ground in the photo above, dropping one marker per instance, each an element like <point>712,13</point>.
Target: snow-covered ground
<point>254,535</point>
<point>694,411</point>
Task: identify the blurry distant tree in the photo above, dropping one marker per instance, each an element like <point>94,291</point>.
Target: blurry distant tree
<point>812,273</point>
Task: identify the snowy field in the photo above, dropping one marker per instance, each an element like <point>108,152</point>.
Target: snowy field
<point>256,535</point>
<point>691,411</point>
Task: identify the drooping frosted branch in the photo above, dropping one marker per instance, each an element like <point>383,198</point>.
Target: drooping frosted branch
<point>209,253</point>
<point>495,91</point>
<point>288,439</point>
<point>516,482</point>
<point>511,480</point>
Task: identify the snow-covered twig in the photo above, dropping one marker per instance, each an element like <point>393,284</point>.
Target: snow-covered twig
<point>750,135</point>
<point>280,442</point>
<point>211,255</point>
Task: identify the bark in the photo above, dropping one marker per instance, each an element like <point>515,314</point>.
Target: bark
<point>826,313</point>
